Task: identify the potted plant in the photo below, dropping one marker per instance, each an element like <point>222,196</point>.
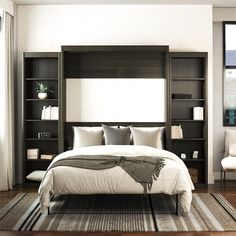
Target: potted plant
<point>42,90</point>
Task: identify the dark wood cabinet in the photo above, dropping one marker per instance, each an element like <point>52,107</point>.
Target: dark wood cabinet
<point>188,76</point>
<point>39,67</point>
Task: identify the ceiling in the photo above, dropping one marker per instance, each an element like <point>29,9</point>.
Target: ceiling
<point>215,3</point>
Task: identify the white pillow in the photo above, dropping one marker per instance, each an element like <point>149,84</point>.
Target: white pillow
<point>230,137</point>
<point>232,149</point>
<point>149,136</point>
<point>87,136</point>
<point>36,175</point>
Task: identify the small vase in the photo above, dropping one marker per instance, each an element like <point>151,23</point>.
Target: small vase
<point>42,95</point>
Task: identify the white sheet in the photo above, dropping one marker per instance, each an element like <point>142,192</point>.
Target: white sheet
<point>174,177</point>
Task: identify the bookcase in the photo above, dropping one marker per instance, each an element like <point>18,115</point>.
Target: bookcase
<point>188,79</point>
<point>39,67</point>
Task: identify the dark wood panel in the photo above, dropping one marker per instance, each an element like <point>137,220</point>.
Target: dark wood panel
<point>114,64</point>
<point>190,67</point>
<point>41,67</point>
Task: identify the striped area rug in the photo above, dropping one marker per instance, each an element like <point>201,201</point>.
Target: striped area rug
<point>127,213</point>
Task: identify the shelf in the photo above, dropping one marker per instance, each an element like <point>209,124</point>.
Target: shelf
<point>188,99</point>
<point>183,120</point>
<point>36,160</point>
<point>41,100</point>
<point>37,120</point>
<point>41,139</point>
<point>187,79</point>
<point>189,139</point>
<point>39,79</point>
<point>193,160</point>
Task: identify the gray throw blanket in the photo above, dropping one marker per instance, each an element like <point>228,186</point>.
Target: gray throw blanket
<point>143,169</point>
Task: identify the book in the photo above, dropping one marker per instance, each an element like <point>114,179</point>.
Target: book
<point>198,113</point>
<point>54,113</point>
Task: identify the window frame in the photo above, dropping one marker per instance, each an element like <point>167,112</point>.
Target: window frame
<point>225,67</point>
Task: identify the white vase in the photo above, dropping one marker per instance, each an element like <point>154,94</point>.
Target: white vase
<point>42,95</point>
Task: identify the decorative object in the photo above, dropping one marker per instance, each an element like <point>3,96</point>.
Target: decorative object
<point>50,113</point>
<point>193,174</point>
<point>183,156</point>
<point>181,96</point>
<point>42,90</point>
<point>176,132</point>
<point>32,153</point>
<point>210,212</point>
<point>42,135</point>
<point>195,154</point>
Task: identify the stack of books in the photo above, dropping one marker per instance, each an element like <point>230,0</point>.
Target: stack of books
<point>198,113</point>
<point>50,113</point>
<point>176,132</point>
<point>32,153</point>
<point>47,156</point>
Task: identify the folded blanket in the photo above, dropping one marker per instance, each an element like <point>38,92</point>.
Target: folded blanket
<point>143,169</point>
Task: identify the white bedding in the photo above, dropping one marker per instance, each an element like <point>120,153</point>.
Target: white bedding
<point>174,177</point>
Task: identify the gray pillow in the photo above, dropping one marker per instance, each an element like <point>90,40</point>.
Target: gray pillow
<point>116,136</point>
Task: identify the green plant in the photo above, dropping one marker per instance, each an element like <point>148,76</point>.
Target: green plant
<point>42,88</point>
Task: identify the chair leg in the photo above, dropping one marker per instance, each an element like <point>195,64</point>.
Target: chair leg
<point>224,177</point>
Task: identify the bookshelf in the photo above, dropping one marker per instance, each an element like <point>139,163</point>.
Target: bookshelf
<point>42,67</point>
<point>188,75</point>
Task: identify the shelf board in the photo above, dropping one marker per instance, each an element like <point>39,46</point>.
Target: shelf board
<point>184,120</point>
<point>37,79</point>
<point>187,79</point>
<point>188,99</point>
<point>41,139</point>
<point>38,120</point>
<point>40,160</point>
<point>41,100</point>
<point>193,160</point>
<point>188,139</point>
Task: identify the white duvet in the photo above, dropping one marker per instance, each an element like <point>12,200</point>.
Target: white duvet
<point>173,179</point>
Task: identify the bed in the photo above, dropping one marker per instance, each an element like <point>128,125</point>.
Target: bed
<point>173,178</point>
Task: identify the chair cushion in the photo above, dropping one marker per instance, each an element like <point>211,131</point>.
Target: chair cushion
<point>229,163</point>
<point>230,137</point>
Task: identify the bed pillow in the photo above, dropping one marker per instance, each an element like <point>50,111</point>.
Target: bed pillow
<point>87,136</point>
<point>230,137</point>
<point>116,136</point>
<point>149,136</point>
<point>36,175</point>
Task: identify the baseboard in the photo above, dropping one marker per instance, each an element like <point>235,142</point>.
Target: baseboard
<point>229,175</point>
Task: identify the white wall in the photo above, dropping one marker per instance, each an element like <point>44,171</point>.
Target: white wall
<point>7,5</point>
<point>182,27</point>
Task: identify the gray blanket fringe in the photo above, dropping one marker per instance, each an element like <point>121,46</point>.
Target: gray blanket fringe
<point>143,169</point>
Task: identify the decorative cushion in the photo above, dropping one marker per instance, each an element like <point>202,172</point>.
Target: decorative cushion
<point>230,137</point>
<point>229,163</point>
<point>87,136</point>
<point>149,136</point>
<point>36,175</point>
<point>232,149</point>
<point>116,136</point>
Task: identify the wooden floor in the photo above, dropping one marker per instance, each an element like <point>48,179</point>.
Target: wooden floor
<point>228,191</point>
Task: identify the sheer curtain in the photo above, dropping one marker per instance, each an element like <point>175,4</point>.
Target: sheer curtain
<point>6,104</point>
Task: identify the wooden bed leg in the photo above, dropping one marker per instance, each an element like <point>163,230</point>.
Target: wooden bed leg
<point>177,204</point>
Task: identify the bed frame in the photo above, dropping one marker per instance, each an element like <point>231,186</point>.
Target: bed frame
<point>68,143</point>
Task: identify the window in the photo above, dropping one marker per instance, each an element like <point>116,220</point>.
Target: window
<point>229,68</point>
